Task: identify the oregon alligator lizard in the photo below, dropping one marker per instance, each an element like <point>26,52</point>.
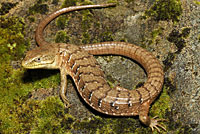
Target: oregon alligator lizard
<point>89,78</point>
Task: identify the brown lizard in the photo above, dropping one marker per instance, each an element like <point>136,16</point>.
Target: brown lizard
<point>89,79</point>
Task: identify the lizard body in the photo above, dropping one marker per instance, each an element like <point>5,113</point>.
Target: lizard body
<point>89,79</point>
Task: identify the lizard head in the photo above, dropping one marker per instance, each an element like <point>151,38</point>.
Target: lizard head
<point>41,57</point>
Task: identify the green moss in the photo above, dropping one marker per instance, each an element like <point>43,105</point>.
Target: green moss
<point>6,6</point>
<point>16,113</point>
<point>100,125</point>
<point>153,38</point>
<point>196,2</point>
<point>39,8</point>
<point>86,22</point>
<point>86,2</point>
<point>112,1</point>
<point>13,45</point>
<point>68,3</point>
<point>32,116</point>
<point>87,19</point>
<point>55,2</point>
<point>90,125</point>
<point>61,21</point>
<point>162,105</point>
<point>179,128</point>
<point>165,10</point>
<point>85,38</point>
<point>61,37</point>
<point>155,33</point>
<point>51,117</point>
<point>31,19</point>
<point>106,36</point>
<point>11,38</point>
<point>126,125</point>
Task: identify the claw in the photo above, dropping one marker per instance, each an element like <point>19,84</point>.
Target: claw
<point>67,104</point>
<point>65,100</point>
<point>154,124</point>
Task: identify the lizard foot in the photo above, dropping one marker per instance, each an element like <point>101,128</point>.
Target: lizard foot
<point>66,102</point>
<point>154,124</point>
<point>67,105</point>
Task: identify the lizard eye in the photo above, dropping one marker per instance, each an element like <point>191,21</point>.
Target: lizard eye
<point>38,59</point>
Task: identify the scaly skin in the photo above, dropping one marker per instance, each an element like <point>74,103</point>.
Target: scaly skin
<point>89,79</point>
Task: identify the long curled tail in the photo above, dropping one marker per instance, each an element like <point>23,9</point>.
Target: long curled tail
<point>39,32</point>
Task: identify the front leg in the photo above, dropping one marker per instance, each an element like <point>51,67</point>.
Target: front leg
<point>63,88</point>
<point>145,119</point>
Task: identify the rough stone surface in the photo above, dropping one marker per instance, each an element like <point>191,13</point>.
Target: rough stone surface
<point>186,99</point>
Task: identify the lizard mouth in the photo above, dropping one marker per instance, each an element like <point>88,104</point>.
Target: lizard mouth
<point>32,66</point>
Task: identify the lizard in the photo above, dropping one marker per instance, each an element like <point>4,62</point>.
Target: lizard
<point>79,63</point>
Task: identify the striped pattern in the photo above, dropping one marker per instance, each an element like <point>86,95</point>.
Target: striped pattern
<point>91,83</point>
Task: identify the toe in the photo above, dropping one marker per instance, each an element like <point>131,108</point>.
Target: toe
<point>154,124</point>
